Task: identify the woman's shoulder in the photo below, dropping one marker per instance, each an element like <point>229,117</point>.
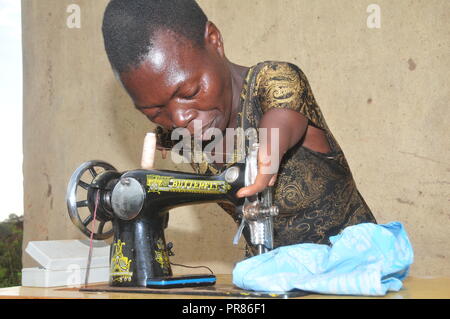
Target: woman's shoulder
<point>279,67</point>
<point>278,72</point>
<point>283,85</point>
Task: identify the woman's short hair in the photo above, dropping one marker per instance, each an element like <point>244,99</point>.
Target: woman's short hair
<point>129,27</point>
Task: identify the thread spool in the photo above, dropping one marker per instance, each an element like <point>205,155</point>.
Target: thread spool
<point>148,151</point>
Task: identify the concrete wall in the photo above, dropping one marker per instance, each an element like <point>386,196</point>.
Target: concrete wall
<point>384,93</point>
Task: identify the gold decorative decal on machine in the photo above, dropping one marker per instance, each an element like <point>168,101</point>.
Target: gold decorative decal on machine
<point>162,257</point>
<point>120,265</point>
<point>158,184</point>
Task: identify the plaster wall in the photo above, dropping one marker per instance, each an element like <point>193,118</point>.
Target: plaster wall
<point>384,93</point>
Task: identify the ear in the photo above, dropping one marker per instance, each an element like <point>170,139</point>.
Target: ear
<point>213,39</point>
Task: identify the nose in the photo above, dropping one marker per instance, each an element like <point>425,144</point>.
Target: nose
<point>181,117</point>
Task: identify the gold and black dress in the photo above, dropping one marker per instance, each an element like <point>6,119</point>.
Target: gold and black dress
<point>315,192</point>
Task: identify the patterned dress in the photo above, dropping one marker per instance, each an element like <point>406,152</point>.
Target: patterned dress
<point>315,192</point>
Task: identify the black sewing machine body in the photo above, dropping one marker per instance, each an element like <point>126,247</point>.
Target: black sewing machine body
<point>137,202</point>
<point>141,200</point>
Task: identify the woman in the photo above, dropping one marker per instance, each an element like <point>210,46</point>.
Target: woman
<point>171,61</point>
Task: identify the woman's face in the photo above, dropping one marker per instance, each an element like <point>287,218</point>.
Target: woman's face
<point>178,83</point>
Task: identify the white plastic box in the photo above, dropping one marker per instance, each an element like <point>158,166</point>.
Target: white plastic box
<point>64,263</point>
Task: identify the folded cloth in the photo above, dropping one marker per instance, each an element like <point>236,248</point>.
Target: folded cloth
<point>365,259</point>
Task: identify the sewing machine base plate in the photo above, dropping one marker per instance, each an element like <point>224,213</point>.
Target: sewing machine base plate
<point>219,290</point>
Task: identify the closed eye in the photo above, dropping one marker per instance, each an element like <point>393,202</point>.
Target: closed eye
<point>151,116</point>
<point>192,95</point>
<point>150,111</point>
<point>149,107</point>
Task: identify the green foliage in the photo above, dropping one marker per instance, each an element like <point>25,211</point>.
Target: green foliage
<point>11,233</point>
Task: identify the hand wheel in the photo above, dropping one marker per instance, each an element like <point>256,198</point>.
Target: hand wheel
<point>74,205</point>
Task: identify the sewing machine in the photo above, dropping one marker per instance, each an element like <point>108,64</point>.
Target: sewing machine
<point>137,202</point>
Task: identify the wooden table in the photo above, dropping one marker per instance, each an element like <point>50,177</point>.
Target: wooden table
<point>414,288</point>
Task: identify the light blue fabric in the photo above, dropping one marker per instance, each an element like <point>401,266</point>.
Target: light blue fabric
<point>365,259</point>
